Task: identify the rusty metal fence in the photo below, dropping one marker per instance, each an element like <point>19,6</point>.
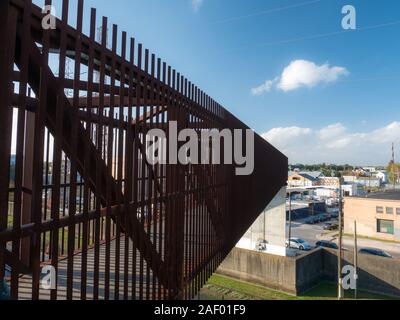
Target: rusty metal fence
<point>76,191</point>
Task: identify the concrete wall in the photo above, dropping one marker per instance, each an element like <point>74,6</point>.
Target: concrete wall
<point>309,271</point>
<point>297,275</point>
<point>272,271</point>
<point>288,274</point>
<point>269,226</point>
<point>375,274</point>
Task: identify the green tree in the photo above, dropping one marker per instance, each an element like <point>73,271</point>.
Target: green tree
<point>393,171</point>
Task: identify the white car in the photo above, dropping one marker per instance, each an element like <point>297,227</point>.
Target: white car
<point>300,244</point>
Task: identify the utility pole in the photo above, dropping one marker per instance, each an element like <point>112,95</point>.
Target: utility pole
<point>355,259</point>
<point>290,218</point>
<point>340,251</point>
<point>393,168</point>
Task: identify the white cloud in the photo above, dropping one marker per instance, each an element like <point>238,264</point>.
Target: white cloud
<point>302,73</point>
<point>331,131</point>
<point>287,137</point>
<point>265,87</point>
<point>197,4</point>
<point>335,144</point>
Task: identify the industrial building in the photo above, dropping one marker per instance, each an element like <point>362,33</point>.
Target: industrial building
<point>377,215</point>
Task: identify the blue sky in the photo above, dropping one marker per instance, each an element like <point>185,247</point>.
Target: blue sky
<point>349,110</point>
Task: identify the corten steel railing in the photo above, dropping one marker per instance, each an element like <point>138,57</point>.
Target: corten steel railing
<point>75,189</point>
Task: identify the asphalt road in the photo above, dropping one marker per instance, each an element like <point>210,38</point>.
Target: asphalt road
<point>313,233</point>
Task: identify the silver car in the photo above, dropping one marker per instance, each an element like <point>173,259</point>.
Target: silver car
<point>300,244</point>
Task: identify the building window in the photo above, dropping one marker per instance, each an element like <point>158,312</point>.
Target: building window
<point>389,210</point>
<point>379,210</point>
<point>398,211</point>
<point>385,226</point>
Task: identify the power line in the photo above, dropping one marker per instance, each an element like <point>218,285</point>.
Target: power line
<point>318,36</point>
<point>264,12</point>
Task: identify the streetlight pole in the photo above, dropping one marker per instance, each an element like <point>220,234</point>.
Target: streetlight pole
<point>290,218</point>
<point>340,251</point>
<point>355,259</point>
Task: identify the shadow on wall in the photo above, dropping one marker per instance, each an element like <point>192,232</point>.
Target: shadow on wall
<point>375,274</point>
<point>298,275</point>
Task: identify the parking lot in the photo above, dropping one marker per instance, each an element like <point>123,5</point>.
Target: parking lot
<point>316,232</point>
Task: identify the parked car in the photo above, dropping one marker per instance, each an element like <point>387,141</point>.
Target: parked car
<point>335,215</point>
<point>315,219</point>
<point>310,220</point>
<point>324,217</point>
<point>327,244</point>
<point>331,226</point>
<point>375,252</point>
<point>300,244</point>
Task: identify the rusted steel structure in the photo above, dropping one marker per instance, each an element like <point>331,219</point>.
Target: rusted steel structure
<point>74,181</point>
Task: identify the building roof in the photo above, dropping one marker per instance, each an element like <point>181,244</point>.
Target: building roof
<point>314,174</point>
<point>387,195</point>
<point>310,175</point>
<point>307,176</point>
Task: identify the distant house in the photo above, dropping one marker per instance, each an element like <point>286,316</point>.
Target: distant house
<point>350,179</point>
<point>369,169</point>
<point>329,182</point>
<point>301,179</point>
<point>314,174</point>
<point>382,175</point>
<point>369,182</point>
<point>352,190</point>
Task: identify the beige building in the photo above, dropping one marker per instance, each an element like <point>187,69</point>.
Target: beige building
<point>301,179</point>
<point>377,215</point>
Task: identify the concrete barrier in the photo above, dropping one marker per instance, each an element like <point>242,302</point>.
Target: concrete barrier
<point>375,274</point>
<point>296,275</point>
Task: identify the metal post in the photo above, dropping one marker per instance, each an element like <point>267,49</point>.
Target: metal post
<point>27,184</point>
<point>355,259</point>
<point>290,218</point>
<point>340,288</point>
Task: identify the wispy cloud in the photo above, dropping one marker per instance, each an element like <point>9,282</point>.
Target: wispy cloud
<point>197,4</point>
<point>267,86</point>
<point>335,144</point>
<point>299,74</point>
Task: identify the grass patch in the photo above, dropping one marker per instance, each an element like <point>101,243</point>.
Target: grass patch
<point>328,291</point>
<point>225,288</point>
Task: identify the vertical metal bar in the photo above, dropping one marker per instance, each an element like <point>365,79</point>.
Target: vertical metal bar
<point>110,164</point>
<point>99,158</point>
<point>164,101</point>
<point>88,141</point>
<point>38,164</point>
<point>73,157</point>
<point>153,192</point>
<point>19,161</point>
<point>128,172</point>
<point>146,179</point>
<point>139,154</point>
<point>8,23</point>
<point>120,165</point>
<point>57,152</point>
<point>135,167</point>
